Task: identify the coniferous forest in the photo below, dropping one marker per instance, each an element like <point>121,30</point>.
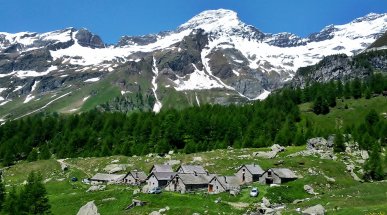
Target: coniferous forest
<point>277,119</point>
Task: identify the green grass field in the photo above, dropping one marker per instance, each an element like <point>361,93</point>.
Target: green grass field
<point>345,196</point>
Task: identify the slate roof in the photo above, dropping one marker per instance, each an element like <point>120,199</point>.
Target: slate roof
<point>139,175</point>
<point>283,172</point>
<point>107,177</point>
<point>161,168</point>
<point>228,181</point>
<point>192,179</point>
<point>163,176</point>
<point>192,169</point>
<point>254,169</point>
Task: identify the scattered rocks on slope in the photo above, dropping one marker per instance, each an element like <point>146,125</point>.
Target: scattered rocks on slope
<point>96,188</point>
<point>88,209</point>
<point>315,210</point>
<point>275,149</point>
<point>318,146</point>
<point>309,189</point>
<point>113,168</point>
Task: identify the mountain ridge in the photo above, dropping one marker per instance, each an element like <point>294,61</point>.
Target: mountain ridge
<point>212,58</point>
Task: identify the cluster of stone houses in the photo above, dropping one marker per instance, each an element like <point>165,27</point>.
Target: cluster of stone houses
<point>195,177</point>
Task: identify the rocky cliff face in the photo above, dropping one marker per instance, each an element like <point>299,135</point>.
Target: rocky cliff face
<point>212,58</point>
<point>342,67</point>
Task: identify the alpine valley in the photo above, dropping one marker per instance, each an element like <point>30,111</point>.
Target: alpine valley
<point>212,58</point>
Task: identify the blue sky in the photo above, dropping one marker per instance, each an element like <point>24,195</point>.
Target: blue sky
<point>112,19</point>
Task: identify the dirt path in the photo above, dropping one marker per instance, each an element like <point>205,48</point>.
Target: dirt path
<point>63,162</point>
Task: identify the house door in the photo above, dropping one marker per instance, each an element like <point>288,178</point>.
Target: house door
<point>269,180</point>
<point>210,188</point>
<point>175,186</point>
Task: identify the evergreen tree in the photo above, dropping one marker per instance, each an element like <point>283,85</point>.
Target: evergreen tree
<point>367,93</point>
<point>12,204</point>
<point>44,153</point>
<point>373,167</point>
<point>2,192</point>
<point>356,88</point>
<point>340,90</point>
<point>339,142</point>
<point>33,198</point>
<point>32,156</point>
<point>347,90</point>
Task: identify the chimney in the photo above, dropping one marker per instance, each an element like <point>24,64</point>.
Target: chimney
<point>225,179</point>
<point>195,173</point>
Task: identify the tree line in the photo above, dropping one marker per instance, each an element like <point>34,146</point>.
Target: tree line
<point>277,119</point>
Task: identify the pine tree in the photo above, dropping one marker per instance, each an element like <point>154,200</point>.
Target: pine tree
<point>373,167</point>
<point>44,153</point>
<point>11,204</point>
<point>32,156</point>
<point>2,192</point>
<point>339,145</point>
<point>356,88</point>
<point>33,198</point>
<point>347,90</point>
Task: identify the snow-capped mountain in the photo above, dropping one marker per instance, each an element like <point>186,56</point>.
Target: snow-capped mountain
<point>212,58</point>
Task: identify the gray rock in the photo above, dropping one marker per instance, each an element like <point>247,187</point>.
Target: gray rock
<point>266,202</point>
<point>309,189</point>
<point>88,209</point>
<point>155,213</point>
<point>315,210</point>
<point>96,188</point>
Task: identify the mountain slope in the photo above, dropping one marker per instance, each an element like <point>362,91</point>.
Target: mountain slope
<point>212,58</point>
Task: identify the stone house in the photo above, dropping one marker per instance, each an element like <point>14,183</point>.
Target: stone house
<point>107,178</point>
<point>277,176</point>
<point>249,173</point>
<point>161,168</point>
<point>159,179</point>
<point>183,182</point>
<point>190,169</point>
<point>134,177</point>
<point>219,184</point>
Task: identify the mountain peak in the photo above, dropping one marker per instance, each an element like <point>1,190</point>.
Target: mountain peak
<point>370,17</point>
<point>211,19</point>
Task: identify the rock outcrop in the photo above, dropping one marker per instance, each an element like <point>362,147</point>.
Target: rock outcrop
<point>88,209</point>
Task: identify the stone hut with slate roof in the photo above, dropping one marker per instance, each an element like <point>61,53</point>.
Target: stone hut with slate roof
<point>219,184</point>
<point>103,177</point>
<point>189,182</point>
<point>159,179</point>
<point>135,177</point>
<point>249,173</point>
<point>190,169</point>
<point>161,168</point>
<point>277,176</point>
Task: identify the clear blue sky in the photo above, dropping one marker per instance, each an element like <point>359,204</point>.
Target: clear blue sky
<point>112,19</point>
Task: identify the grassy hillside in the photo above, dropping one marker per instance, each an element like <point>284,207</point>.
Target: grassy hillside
<point>344,116</point>
<point>344,196</point>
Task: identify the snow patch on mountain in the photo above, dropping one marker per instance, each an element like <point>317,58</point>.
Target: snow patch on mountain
<point>92,80</point>
<point>157,106</point>
<point>198,80</point>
